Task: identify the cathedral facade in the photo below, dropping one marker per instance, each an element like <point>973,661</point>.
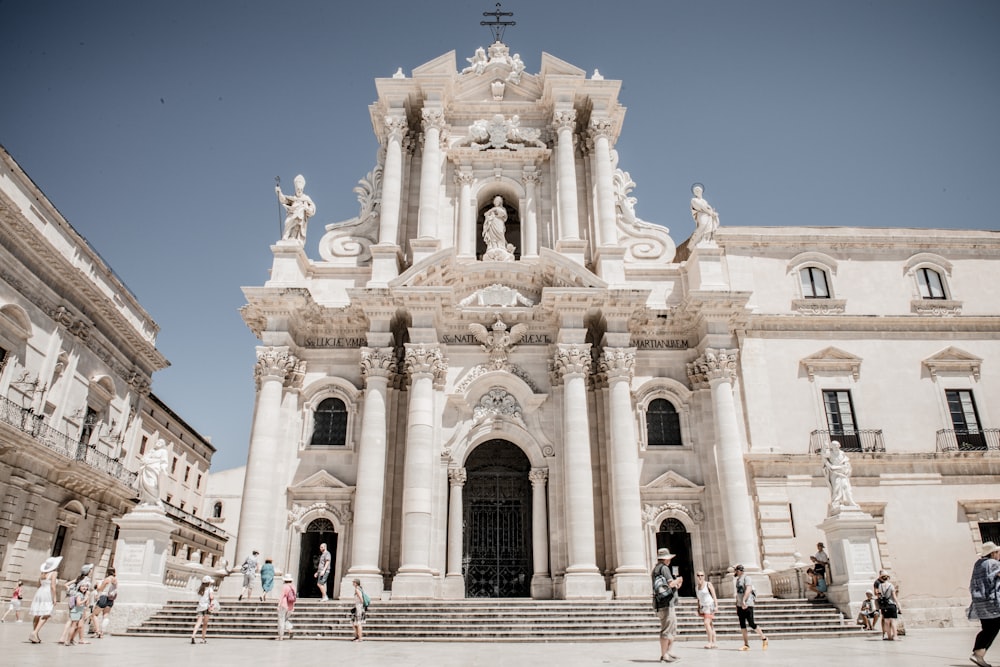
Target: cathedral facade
<point>498,381</point>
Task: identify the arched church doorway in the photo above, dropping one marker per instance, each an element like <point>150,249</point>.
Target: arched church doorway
<point>497,517</point>
<point>319,531</point>
<point>674,536</point>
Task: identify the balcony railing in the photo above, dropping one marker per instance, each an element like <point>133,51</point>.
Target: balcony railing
<point>866,440</point>
<point>968,440</point>
<point>27,421</point>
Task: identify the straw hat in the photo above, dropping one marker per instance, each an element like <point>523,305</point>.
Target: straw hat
<point>664,554</point>
<point>51,564</point>
<point>988,548</point>
<point>208,579</point>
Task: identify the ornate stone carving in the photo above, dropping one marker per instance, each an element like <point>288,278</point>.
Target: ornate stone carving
<point>298,512</point>
<point>378,362</point>
<point>538,476</point>
<point>713,365</point>
<point>464,178</point>
<point>498,342</point>
<point>936,307</point>
<point>819,306</point>
<point>425,359</point>
<point>601,127</point>
<point>497,402</point>
<point>457,476</point>
<point>564,120</point>
<point>617,363</point>
<point>482,369</point>
<point>643,241</point>
<point>496,295</point>
<point>651,512</point>
<point>500,133</point>
<point>432,119</point>
<point>396,127</point>
<point>275,362</point>
<point>571,359</point>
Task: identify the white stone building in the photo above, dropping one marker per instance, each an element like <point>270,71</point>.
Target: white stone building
<point>468,397</point>
<point>77,355</point>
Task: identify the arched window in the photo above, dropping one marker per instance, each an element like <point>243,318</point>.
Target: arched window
<point>217,510</point>
<point>930,283</point>
<point>663,424</point>
<point>814,283</point>
<point>330,423</point>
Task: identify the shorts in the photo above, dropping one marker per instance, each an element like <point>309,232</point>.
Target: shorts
<point>248,580</point>
<point>321,579</point>
<point>76,614</point>
<point>890,611</point>
<point>668,621</point>
<point>821,585</point>
<point>708,616</point>
<point>746,617</point>
<point>15,604</point>
<point>104,602</point>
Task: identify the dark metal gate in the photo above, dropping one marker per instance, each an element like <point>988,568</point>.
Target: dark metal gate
<point>497,513</point>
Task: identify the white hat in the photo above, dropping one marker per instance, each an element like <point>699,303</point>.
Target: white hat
<point>87,568</point>
<point>988,548</point>
<point>287,578</point>
<point>51,564</point>
<point>208,579</point>
<point>664,554</point>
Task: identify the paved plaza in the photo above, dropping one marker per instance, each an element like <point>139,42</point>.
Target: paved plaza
<point>920,648</point>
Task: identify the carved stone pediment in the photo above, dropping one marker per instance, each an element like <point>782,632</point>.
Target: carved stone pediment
<point>953,360</point>
<point>673,480</point>
<point>831,360</point>
<point>320,479</point>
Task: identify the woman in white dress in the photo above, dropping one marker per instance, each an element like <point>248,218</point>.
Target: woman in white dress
<point>42,603</point>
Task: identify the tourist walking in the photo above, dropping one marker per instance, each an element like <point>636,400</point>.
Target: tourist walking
<point>249,570</point>
<point>708,603</point>
<point>266,578</point>
<point>71,590</point>
<point>745,598</point>
<point>323,571</point>
<point>984,587</point>
<point>206,607</point>
<point>665,586</point>
<point>15,604</point>
<point>360,610</point>
<point>107,593</point>
<point>888,604</point>
<point>44,600</point>
<point>286,605</point>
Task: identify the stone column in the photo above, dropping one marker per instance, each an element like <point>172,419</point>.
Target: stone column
<point>569,218</point>
<point>425,365</point>
<point>430,174</point>
<point>582,578</point>
<point>530,219</point>
<point>466,214</point>
<point>262,494</point>
<point>600,131</point>
<point>378,366</point>
<point>392,179</point>
<point>717,369</point>
<point>455,579</point>
<point>630,579</point>
<point>541,582</point>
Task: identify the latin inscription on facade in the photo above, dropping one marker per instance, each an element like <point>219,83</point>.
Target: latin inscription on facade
<point>336,341</point>
<point>661,344</point>
<point>470,339</point>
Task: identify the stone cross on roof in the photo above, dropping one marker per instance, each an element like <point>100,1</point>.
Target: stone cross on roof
<point>496,25</point>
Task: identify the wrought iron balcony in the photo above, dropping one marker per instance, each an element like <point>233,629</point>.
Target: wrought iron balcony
<point>34,425</point>
<point>865,440</point>
<point>968,440</point>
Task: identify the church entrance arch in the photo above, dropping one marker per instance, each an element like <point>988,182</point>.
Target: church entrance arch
<point>319,531</point>
<point>674,536</point>
<point>497,516</point>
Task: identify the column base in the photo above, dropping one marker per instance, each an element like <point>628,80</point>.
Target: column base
<point>424,248</point>
<point>414,585</point>
<point>584,585</point>
<point>631,585</point>
<point>385,264</point>
<point>574,249</point>
<point>453,587</point>
<point>541,587</point>
<point>371,582</point>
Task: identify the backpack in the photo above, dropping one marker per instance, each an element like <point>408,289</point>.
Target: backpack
<point>884,601</point>
<point>365,600</point>
<point>290,596</point>
<point>662,592</point>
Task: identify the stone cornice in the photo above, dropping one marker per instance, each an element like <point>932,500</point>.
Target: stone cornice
<point>879,326</point>
<point>895,242</point>
<point>874,469</point>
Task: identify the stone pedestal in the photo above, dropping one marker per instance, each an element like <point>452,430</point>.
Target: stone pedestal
<point>140,562</point>
<point>424,248</point>
<point>385,264</point>
<point>854,560</point>
<point>706,268</point>
<point>290,263</point>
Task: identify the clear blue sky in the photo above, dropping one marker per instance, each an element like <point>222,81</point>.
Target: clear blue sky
<point>157,129</point>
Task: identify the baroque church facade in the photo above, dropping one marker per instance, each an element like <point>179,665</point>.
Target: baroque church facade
<point>498,381</point>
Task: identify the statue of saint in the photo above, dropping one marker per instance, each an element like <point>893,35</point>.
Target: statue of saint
<point>153,465</point>
<point>837,470</point>
<point>706,219</point>
<point>494,233</point>
<point>477,63</point>
<point>300,208</point>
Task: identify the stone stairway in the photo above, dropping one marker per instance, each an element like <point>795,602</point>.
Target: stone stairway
<point>495,620</point>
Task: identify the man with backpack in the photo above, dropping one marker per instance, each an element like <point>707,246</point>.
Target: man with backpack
<point>745,598</point>
<point>665,586</point>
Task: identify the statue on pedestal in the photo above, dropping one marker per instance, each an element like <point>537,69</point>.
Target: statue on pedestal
<point>837,470</point>
<point>706,218</point>
<point>154,464</point>
<point>494,234</point>
<point>300,208</point>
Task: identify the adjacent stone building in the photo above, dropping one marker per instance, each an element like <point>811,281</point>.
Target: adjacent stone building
<point>77,355</point>
<point>498,381</point>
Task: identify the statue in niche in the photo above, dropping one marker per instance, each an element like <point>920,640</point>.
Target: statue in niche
<point>152,467</point>
<point>299,207</point>
<point>477,63</point>
<point>837,470</point>
<point>494,233</point>
<point>706,219</point>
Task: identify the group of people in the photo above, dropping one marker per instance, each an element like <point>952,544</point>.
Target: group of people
<point>89,606</point>
<point>665,592</point>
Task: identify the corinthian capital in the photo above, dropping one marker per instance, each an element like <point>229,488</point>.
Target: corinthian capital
<point>457,476</point>
<point>425,360</point>
<point>433,119</point>
<point>562,120</point>
<point>538,476</point>
<point>396,127</point>
<point>618,363</point>
<point>274,362</point>
<point>601,127</point>
<point>571,359</point>
<point>378,362</point>
<point>713,365</point>
<point>464,178</point>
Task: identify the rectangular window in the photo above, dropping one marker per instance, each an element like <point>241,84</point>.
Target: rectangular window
<point>990,531</point>
<point>89,422</point>
<point>965,420</point>
<point>840,419</point>
<point>814,284</point>
<point>57,544</point>
<point>173,466</point>
<point>198,485</point>
<point>142,445</point>
<point>930,283</point>
<point>187,473</point>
